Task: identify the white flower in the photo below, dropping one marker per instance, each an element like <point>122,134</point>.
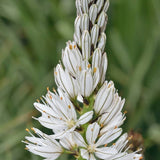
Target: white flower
<point>104,98</point>
<point>88,81</point>
<point>58,114</point>
<point>43,145</point>
<point>71,58</point>
<point>120,146</point>
<point>66,82</point>
<point>94,146</point>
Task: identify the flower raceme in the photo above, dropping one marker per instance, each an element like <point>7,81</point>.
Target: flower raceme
<point>85,113</point>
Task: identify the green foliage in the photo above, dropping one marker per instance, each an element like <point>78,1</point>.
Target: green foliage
<point>32,34</point>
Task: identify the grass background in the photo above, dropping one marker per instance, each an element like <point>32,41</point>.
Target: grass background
<point>32,34</point>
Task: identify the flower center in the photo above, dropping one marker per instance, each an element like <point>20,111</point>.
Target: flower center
<point>70,123</point>
<point>91,148</point>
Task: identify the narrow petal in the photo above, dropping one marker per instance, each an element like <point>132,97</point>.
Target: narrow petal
<point>85,118</point>
<point>92,133</point>
<point>105,152</point>
<point>109,136</point>
<point>79,139</point>
<point>84,154</point>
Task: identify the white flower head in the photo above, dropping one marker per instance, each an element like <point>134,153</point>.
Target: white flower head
<point>85,113</point>
<point>94,148</point>
<point>43,145</point>
<point>59,114</point>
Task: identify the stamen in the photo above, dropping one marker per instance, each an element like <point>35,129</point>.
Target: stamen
<point>115,127</point>
<point>105,145</point>
<point>70,47</point>
<point>27,129</point>
<point>48,89</point>
<point>89,65</point>
<point>69,107</point>
<point>94,70</point>
<point>80,69</point>
<point>125,112</point>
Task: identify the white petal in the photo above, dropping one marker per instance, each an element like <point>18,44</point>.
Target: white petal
<point>102,41</point>
<point>78,6</point>
<point>109,136</point>
<point>100,4</point>
<point>84,22</point>
<point>85,6</point>
<point>105,152</point>
<point>93,11</point>
<point>102,21</point>
<point>95,35</point>
<point>104,97</point>
<point>86,83</point>
<point>86,117</point>
<point>92,133</point>
<point>79,139</point>
<point>103,68</point>
<point>86,45</point>
<point>106,6</point>
<point>84,154</point>
<point>96,59</point>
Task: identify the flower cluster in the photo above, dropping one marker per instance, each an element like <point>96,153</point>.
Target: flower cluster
<point>85,113</point>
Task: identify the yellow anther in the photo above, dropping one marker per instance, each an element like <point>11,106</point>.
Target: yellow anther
<point>114,144</point>
<point>50,97</point>
<point>38,100</point>
<point>80,69</point>
<point>141,158</point>
<point>129,138</point>
<point>69,107</point>
<point>109,85</point>
<point>75,46</point>
<point>33,130</point>
<point>60,118</point>
<point>61,98</point>
<point>105,145</point>
<point>102,125</point>
<point>26,148</point>
<point>56,73</point>
<point>95,70</point>
<point>54,90</point>
<point>70,47</point>
<point>44,111</point>
<point>49,117</point>
<point>89,65</point>
<point>27,129</point>
<point>92,129</point>
<point>125,112</point>
<point>115,127</point>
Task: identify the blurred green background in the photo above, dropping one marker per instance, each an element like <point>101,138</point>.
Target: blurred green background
<point>32,35</point>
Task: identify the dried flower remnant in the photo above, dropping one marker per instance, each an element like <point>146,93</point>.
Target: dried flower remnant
<point>85,113</point>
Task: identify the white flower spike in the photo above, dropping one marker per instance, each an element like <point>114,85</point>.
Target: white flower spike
<point>85,113</point>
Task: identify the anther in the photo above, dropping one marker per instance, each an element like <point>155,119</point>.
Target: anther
<point>47,88</point>
<point>33,130</point>
<point>115,127</point>
<point>80,69</point>
<point>38,100</point>
<point>125,112</point>
<point>69,106</point>
<point>89,65</point>
<point>70,47</point>
<point>105,145</point>
<point>94,70</point>
<point>27,129</point>
<point>102,125</point>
